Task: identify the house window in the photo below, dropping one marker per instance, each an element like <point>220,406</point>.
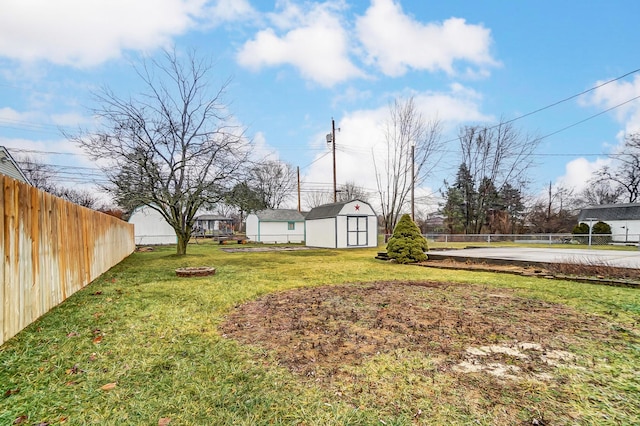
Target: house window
<point>291,226</point>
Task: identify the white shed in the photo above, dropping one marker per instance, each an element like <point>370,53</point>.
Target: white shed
<point>150,228</point>
<point>276,226</point>
<point>349,224</point>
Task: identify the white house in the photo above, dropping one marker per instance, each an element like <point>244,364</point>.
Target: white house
<point>150,228</point>
<point>276,226</point>
<point>349,224</point>
<point>624,220</point>
<point>9,167</point>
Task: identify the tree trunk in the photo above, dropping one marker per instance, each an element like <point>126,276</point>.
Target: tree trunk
<point>181,247</point>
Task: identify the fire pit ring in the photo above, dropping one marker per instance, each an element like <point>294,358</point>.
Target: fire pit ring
<point>195,271</point>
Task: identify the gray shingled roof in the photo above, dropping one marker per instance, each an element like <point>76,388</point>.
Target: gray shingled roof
<point>212,217</point>
<point>328,210</point>
<point>276,215</point>
<point>611,212</point>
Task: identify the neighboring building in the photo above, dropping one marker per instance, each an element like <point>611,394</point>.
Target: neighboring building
<point>433,224</point>
<point>209,225</point>
<point>624,220</point>
<point>349,224</point>
<point>276,226</point>
<point>9,167</point>
<point>150,228</point>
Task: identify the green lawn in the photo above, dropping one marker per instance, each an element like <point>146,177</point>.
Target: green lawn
<point>153,339</point>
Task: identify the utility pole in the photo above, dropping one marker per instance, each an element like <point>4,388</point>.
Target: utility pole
<point>331,138</point>
<point>299,189</point>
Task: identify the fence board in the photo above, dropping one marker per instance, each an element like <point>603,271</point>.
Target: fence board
<point>50,249</point>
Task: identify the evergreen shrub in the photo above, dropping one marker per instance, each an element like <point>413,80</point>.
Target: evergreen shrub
<point>603,230</point>
<point>407,245</point>
<point>582,228</point>
<point>581,231</point>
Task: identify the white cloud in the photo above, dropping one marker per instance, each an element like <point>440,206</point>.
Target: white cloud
<point>614,94</point>
<point>579,171</point>
<point>361,132</point>
<point>261,150</point>
<point>314,42</point>
<point>48,151</point>
<point>86,33</point>
<point>10,116</point>
<point>396,42</point>
<point>232,10</point>
<point>41,122</point>
<point>71,119</point>
<point>317,41</point>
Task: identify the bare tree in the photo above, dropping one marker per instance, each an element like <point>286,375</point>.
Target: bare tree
<point>44,177</point>
<point>539,219</point>
<point>624,175</point>
<point>318,198</point>
<point>599,192</point>
<point>82,197</point>
<point>554,213</point>
<point>173,147</point>
<point>350,191</point>
<point>275,181</point>
<point>493,157</point>
<point>41,175</point>
<point>405,128</point>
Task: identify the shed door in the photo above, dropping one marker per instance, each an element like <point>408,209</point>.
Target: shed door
<point>357,233</point>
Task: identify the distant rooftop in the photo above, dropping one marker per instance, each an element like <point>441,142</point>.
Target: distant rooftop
<point>328,210</point>
<point>630,211</point>
<point>275,215</point>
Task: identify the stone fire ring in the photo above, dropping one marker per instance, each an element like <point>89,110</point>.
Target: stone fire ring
<point>195,271</point>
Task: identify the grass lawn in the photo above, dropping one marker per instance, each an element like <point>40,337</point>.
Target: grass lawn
<point>140,346</point>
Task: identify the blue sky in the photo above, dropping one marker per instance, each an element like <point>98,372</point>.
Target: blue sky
<point>295,65</point>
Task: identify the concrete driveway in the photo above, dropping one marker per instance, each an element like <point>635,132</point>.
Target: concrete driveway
<point>526,255</point>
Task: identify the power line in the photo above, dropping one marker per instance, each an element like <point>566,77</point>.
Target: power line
<point>317,159</point>
<point>590,117</point>
<point>559,102</point>
<point>572,97</point>
<point>35,151</point>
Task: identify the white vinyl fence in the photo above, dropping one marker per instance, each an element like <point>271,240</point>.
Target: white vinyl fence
<point>546,239</point>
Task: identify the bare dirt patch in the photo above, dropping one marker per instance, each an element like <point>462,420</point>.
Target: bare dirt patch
<point>313,331</point>
<point>486,351</point>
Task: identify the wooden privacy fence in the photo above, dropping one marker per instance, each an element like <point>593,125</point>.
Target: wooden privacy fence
<point>50,249</point>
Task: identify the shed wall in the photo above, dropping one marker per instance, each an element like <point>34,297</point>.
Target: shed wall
<point>625,230</point>
<point>321,233</point>
<point>150,228</point>
<point>278,232</point>
<point>252,227</point>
